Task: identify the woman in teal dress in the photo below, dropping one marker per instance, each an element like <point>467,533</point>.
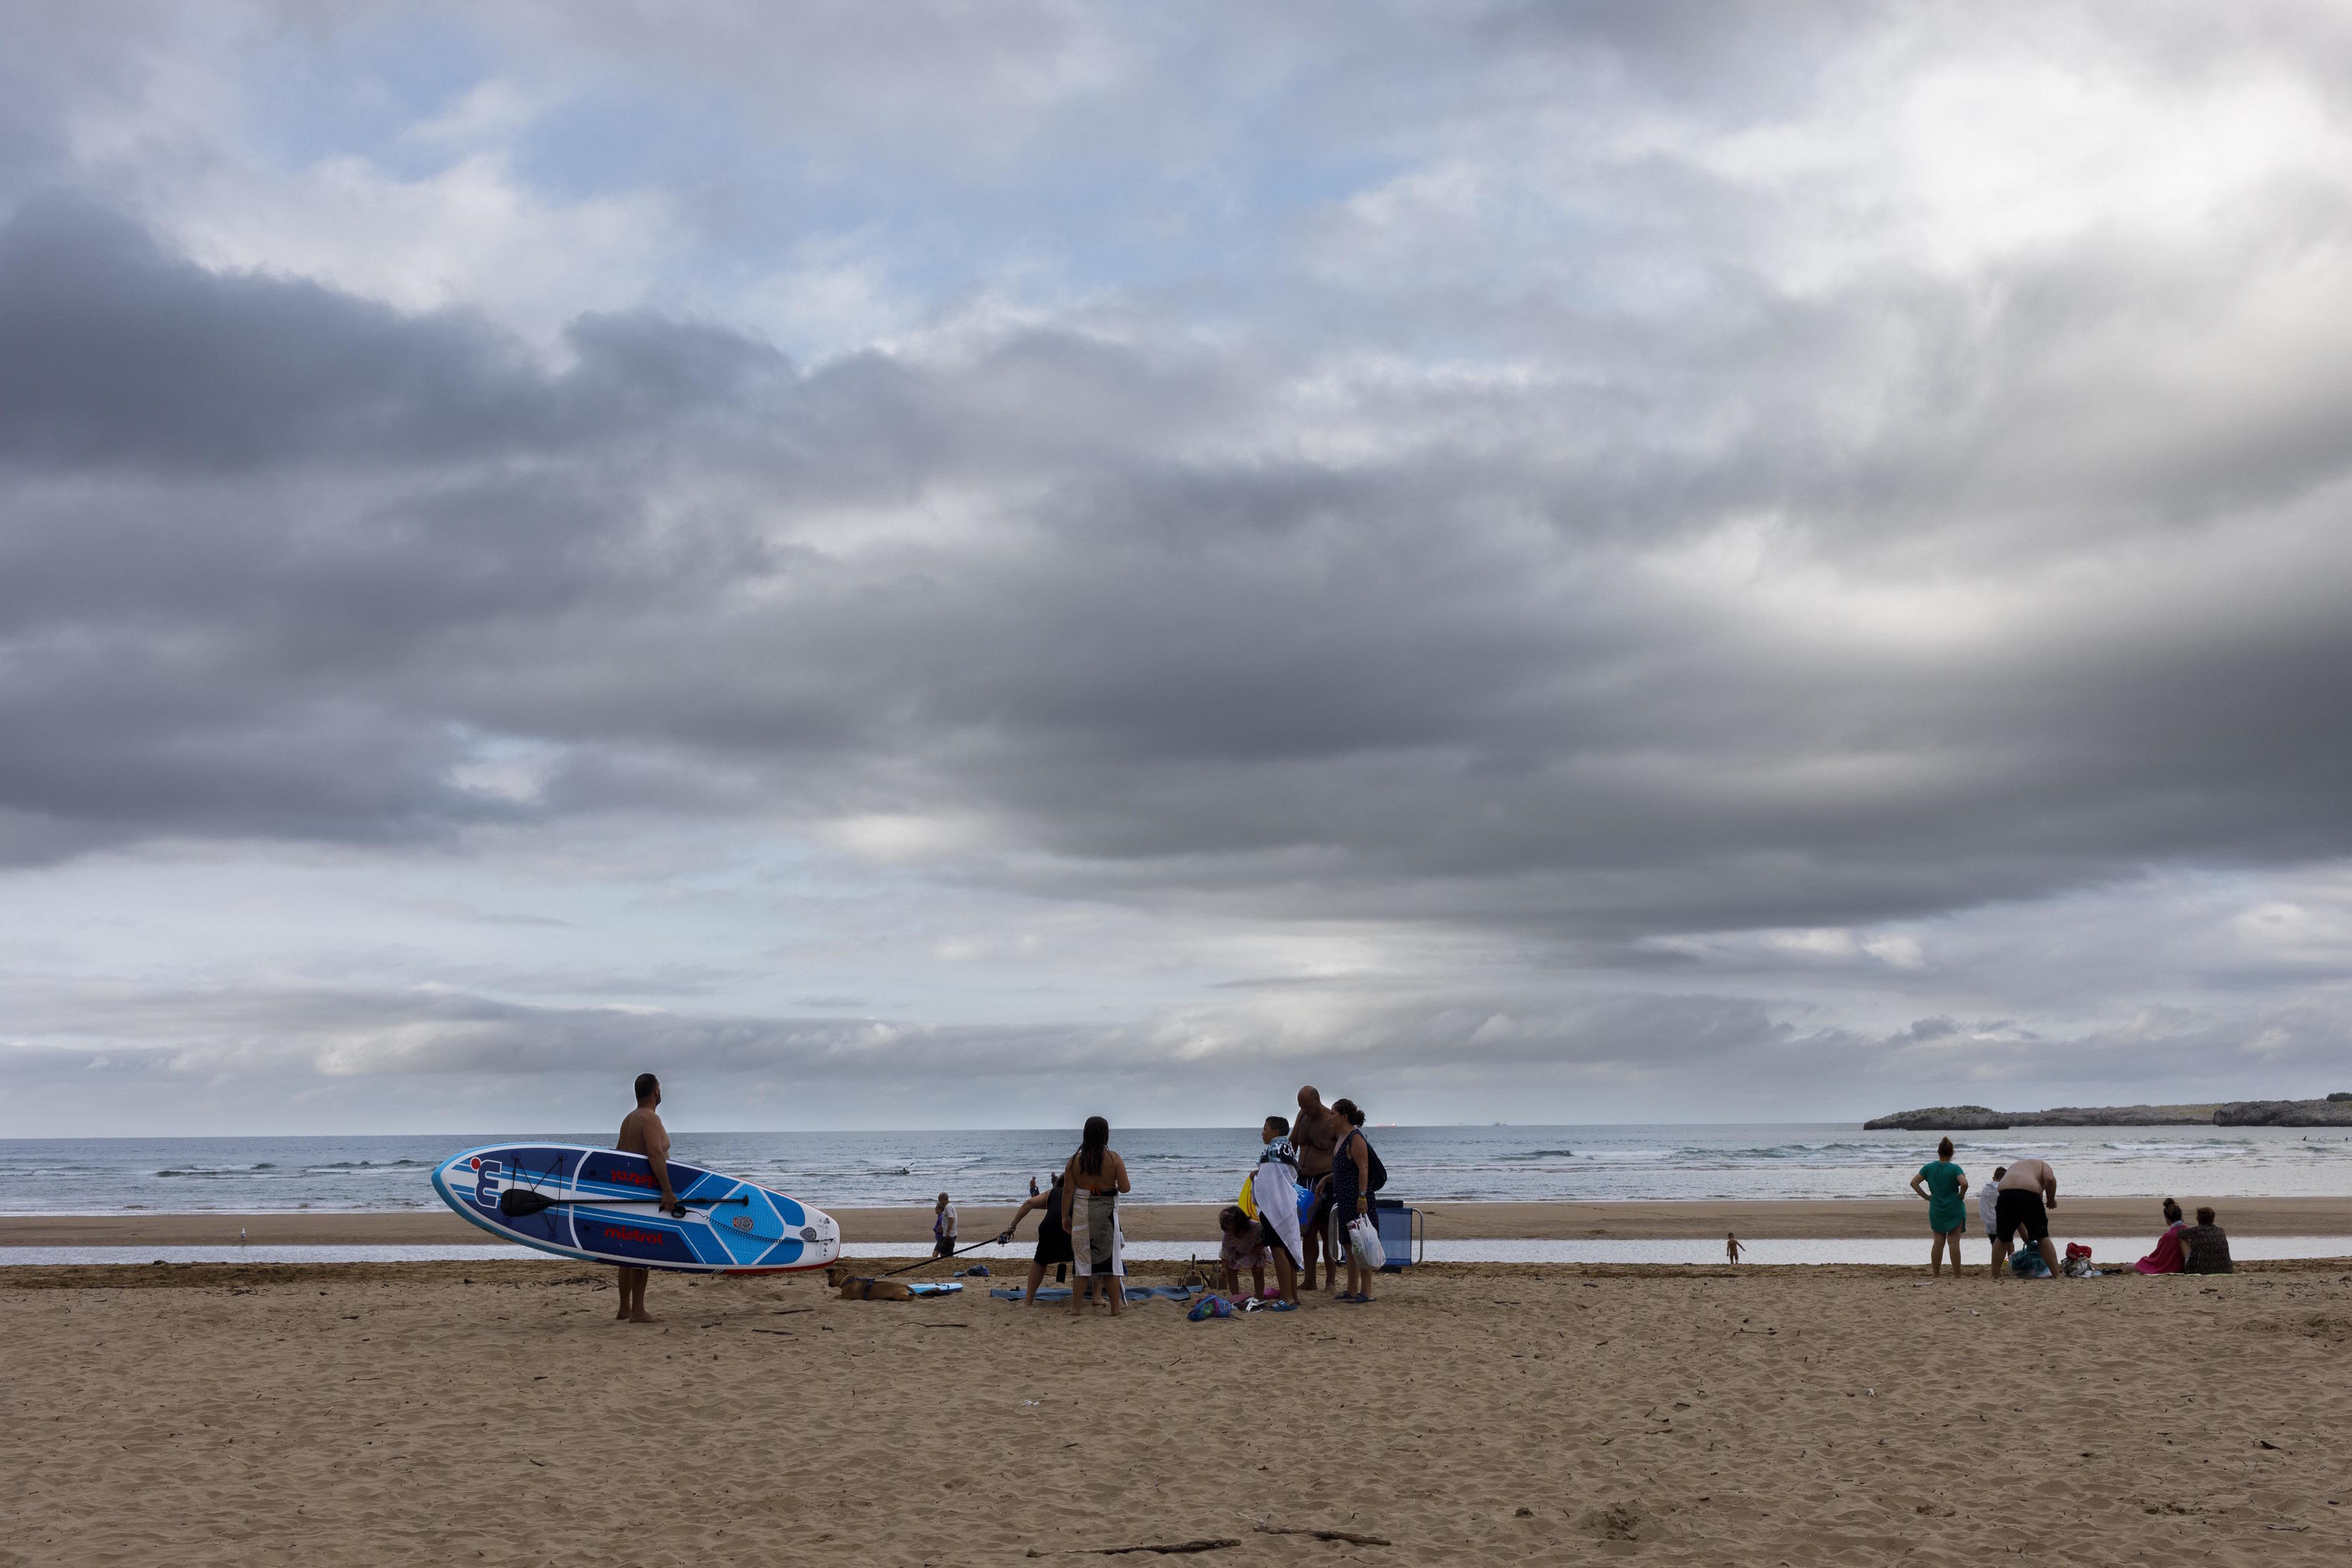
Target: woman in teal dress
<point>1946,1187</point>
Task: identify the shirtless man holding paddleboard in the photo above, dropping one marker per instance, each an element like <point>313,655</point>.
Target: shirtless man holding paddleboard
<point>642,1133</point>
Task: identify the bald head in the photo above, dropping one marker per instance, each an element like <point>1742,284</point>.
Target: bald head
<point>1310,1099</point>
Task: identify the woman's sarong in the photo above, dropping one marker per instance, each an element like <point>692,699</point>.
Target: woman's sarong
<point>1096,1244</point>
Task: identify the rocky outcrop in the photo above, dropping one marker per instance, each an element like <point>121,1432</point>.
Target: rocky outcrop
<point>1941,1119</point>
<point>2328,1112</point>
<point>2336,1111</point>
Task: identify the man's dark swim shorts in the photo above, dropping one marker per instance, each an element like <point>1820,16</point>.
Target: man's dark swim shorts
<point>2021,1206</point>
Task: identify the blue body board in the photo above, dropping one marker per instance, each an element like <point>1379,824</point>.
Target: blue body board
<point>607,1211</point>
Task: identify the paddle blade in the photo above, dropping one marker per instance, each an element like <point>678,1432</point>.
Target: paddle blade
<point>516,1203</point>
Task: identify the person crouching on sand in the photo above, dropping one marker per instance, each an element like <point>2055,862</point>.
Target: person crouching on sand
<point>1242,1249</point>
<point>1946,1187</point>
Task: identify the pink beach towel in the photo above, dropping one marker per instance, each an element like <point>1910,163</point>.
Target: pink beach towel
<point>2166,1258</point>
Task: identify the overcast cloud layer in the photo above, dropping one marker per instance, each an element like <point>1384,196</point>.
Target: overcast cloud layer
<point>1715,562</point>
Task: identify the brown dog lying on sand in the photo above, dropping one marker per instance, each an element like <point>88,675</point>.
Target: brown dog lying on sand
<point>855,1288</point>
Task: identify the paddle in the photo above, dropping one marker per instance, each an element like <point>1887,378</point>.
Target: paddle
<point>517,1202</point>
<point>943,1257</point>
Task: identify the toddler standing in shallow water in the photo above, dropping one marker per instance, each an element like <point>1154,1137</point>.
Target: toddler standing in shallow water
<point>1731,1247</point>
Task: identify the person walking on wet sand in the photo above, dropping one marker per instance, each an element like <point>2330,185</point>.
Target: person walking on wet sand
<point>943,1229</point>
<point>1731,1247</point>
<point>642,1133</point>
<point>1946,1187</point>
<point>2029,1191</point>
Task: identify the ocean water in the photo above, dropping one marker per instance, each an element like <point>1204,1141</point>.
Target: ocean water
<point>1428,1164</point>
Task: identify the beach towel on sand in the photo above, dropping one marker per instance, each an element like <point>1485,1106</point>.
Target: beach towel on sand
<point>1276,1184</point>
<point>1094,1229</point>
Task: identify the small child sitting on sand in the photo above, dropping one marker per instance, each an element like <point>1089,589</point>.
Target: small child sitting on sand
<point>1243,1249</point>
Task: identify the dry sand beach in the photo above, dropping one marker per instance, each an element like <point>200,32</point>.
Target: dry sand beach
<point>1828,1219</point>
<point>492,1413</point>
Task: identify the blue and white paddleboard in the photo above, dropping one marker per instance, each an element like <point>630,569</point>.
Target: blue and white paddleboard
<point>602,1206</point>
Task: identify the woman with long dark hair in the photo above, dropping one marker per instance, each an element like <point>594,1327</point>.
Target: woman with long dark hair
<point>1351,1196</point>
<point>1091,1184</point>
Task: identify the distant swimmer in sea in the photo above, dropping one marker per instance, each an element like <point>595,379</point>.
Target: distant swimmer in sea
<point>1731,1247</point>
<point>1946,1187</point>
<point>642,1133</point>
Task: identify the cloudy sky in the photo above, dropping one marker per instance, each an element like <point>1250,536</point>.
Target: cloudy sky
<point>941,564</point>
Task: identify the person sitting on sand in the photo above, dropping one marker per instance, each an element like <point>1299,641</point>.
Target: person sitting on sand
<point>2029,1191</point>
<point>642,1133</point>
<point>1091,1184</point>
<point>1242,1249</point>
<point>2164,1256</point>
<point>1946,1187</point>
<point>1731,1247</point>
<point>1053,1239</point>
<point>2206,1247</point>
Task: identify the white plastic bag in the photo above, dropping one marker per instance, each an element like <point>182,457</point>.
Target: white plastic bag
<point>1364,1241</point>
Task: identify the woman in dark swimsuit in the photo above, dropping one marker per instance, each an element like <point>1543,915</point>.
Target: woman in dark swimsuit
<point>1352,1182</point>
<point>1053,1241</point>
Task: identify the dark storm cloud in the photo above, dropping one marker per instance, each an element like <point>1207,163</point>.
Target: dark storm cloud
<point>1535,1051</point>
<point>281,563</point>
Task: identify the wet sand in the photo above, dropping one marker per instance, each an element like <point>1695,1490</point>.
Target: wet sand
<point>493,1413</point>
<point>1825,1220</point>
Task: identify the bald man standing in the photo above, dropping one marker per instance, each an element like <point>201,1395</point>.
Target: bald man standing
<point>1315,1135</point>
